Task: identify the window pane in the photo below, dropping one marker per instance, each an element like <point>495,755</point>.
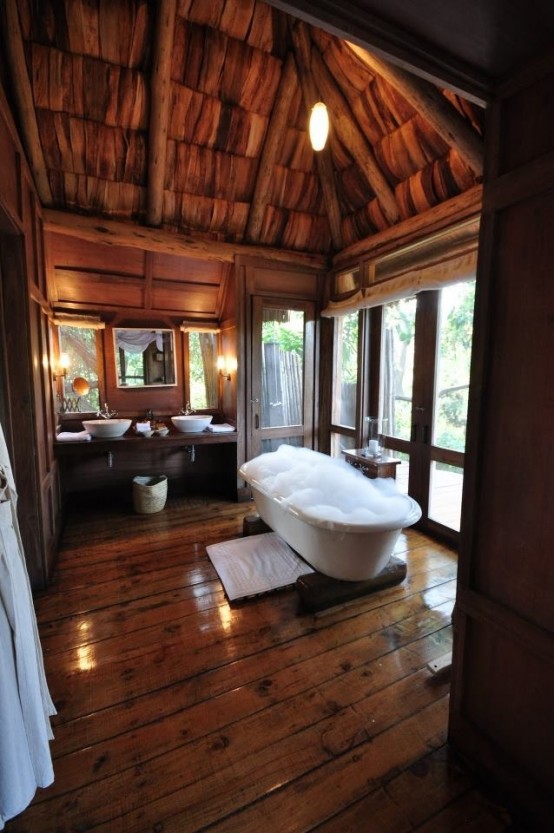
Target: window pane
<point>79,343</point>
<point>454,357</point>
<point>402,471</point>
<point>282,367</point>
<point>345,380</point>
<point>340,443</point>
<point>203,369</point>
<point>397,367</point>
<point>273,444</point>
<point>445,495</point>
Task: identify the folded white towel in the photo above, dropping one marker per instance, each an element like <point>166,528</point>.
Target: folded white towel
<point>73,436</point>
<point>221,428</point>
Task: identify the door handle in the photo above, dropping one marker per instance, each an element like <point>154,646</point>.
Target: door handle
<point>257,421</point>
<point>254,401</point>
<point>426,434</point>
<point>413,435</point>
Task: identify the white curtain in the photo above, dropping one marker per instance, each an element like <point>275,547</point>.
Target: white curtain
<point>434,262</point>
<point>136,341</point>
<point>25,703</point>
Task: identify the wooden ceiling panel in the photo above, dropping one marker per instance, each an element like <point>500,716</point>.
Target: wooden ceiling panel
<point>85,73</point>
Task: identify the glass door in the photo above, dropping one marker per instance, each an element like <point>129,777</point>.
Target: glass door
<point>282,377</point>
<point>424,384</point>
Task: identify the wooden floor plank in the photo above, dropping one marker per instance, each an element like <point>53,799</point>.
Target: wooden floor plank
<point>180,712</point>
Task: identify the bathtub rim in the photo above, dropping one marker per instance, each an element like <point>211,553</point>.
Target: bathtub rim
<point>412,516</point>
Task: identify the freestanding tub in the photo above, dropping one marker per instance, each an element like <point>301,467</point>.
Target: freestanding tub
<point>342,523</point>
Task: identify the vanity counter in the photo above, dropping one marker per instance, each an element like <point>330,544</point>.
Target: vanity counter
<point>132,442</point>
<point>103,469</point>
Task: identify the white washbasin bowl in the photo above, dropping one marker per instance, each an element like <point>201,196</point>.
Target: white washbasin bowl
<point>191,423</point>
<point>106,429</point>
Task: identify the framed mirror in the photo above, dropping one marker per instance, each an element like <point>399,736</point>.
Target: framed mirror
<point>144,358</point>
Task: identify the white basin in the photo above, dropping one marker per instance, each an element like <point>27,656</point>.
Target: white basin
<point>191,423</point>
<point>106,429</point>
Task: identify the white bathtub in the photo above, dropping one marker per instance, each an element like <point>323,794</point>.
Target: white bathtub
<point>339,521</point>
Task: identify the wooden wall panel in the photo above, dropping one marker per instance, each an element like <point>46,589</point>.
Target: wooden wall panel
<point>518,429</point>
<point>95,291</point>
<point>185,299</point>
<point>525,116</point>
<point>10,176</point>
<point>503,660</point>
<point>78,254</point>
<point>529,739</point>
<point>28,419</point>
<point>186,269</point>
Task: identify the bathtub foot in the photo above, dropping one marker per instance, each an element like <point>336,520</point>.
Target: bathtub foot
<point>253,525</point>
<point>318,592</point>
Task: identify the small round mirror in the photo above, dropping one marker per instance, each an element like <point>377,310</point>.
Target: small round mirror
<point>80,386</point>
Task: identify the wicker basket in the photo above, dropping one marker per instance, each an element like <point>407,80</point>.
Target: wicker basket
<point>149,494</point>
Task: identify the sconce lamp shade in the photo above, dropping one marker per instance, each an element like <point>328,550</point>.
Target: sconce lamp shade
<point>226,366</point>
<point>319,126</point>
<point>62,366</point>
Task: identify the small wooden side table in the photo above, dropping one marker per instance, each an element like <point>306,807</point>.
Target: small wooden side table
<point>372,466</point>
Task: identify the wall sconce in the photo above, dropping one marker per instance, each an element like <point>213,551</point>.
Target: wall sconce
<point>319,126</point>
<point>226,367</point>
<point>61,367</point>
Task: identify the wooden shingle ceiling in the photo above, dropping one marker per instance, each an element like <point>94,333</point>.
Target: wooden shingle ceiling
<point>192,116</point>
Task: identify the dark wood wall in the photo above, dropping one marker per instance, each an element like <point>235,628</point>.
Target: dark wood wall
<point>131,286</point>
<point>27,390</point>
<point>503,685</point>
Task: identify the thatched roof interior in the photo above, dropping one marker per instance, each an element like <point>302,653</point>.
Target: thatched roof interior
<point>229,159</point>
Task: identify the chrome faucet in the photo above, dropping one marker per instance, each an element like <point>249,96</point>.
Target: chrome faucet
<point>187,410</point>
<point>106,413</point>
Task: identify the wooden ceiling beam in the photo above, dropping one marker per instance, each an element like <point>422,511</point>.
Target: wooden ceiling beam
<point>273,142</point>
<point>431,104</point>
<point>117,233</point>
<point>344,123</point>
<point>302,51</point>
<point>13,43</point>
<point>160,96</point>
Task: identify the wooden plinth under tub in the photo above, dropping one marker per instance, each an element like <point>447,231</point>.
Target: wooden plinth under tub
<point>99,469</point>
<point>318,592</point>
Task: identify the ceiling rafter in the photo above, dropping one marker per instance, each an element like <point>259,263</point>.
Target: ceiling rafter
<point>270,151</point>
<point>352,138</point>
<point>13,42</point>
<point>302,50</point>
<point>431,104</point>
<point>160,96</point>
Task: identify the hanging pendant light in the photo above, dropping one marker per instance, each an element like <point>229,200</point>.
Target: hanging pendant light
<point>319,126</point>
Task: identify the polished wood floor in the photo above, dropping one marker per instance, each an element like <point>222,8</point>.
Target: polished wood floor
<point>180,713</point>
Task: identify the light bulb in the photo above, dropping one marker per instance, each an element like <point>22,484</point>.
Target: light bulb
<point>319,126</point>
